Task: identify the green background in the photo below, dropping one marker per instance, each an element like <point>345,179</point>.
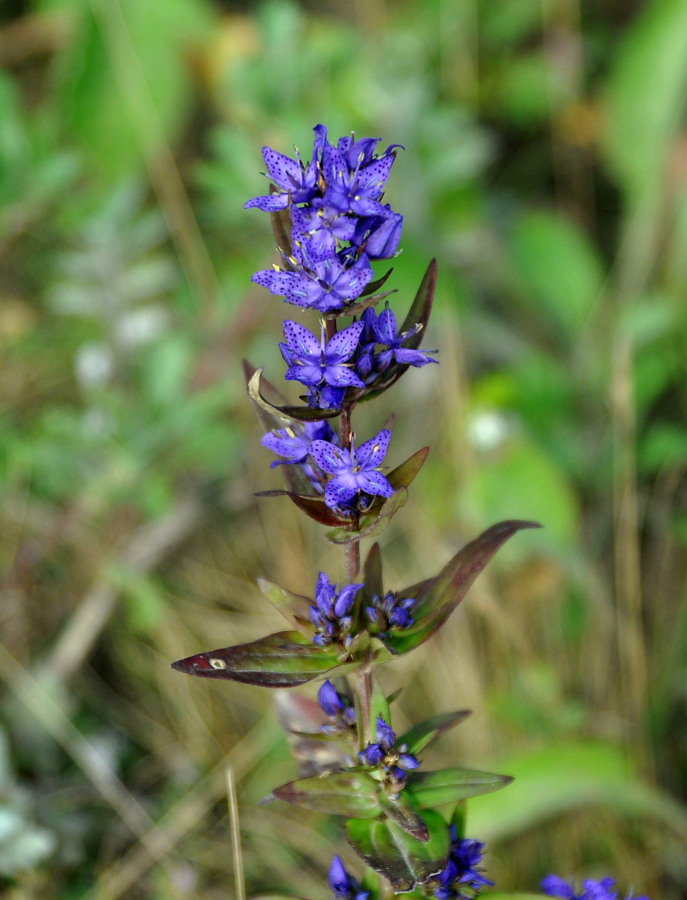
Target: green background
<point>545,166</point>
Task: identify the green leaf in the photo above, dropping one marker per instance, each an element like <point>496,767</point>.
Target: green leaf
<point>437,597</point>
<point>561,778</point>
<point>378,707</point>
<point>429,789</point>
<point>338,794</point>
<point>387,849</point>
<point>124,83</point>
<point>422,735</point>
<point>373,584</point>
<point>558,270</point>
<point>284,659</point>
<point>402,814</point>
<point>294,607</point>
<point>646,89</point>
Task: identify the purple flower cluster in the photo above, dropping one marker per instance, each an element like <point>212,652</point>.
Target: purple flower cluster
<point>461,879</point>
<point>591,890</point>
<point>393,761</point>
<point>343,885</point>
<point>331,612</point>
<point>390,612</point>
<point>338,224</point>
<point>338,220</point>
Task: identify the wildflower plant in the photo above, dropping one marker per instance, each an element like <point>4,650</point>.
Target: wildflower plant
<point>405,822</point>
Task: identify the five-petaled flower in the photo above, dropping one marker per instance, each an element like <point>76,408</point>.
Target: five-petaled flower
<point>316,363</point>
<point>353,471</point>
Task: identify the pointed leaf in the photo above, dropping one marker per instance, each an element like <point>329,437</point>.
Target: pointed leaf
<point>284,659</point>
<point>287,414</point>
<point>338,794</point>
<point>281,229</point>
<point>372,575</point>
<point>387,849</point>
<point>422,735</point>
<point>402,814</point>
<point>378,707</point>
<point>404,475</point>
<point>371,526</point>
<point>428,789</point>
<point>294,607</point>
<point>418,314</point>
<point>312,505</point>
<point>437,597</point>
<point>296,479</point>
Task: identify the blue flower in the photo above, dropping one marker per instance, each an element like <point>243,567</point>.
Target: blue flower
<point>337,707</point>
<point>355,188</point>
<point>591,890</point>
<point>295,183</point>
<point>319,226</point>
<point>344,886</point>
<point>379,235</point>
<point>382,330</point>
<point>393,761</point>
<point>326,286</point>
<point>390,612</point>
<point>461,879</point>
<point>331,612</point>
<point>353,471</point>
<point>314,362</point>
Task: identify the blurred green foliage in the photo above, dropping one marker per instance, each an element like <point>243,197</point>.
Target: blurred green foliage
<point>546,168</point>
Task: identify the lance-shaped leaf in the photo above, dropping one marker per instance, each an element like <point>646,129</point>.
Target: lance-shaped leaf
<point>402,814</point>
<point>337,794</point>
<point>436,598</point>
<point>295,478</point>
<point>373,583</point>
<point>285,414</point>
<point>312,505</point>
<point>294,607</point>
<point>380,513</point>
<point>285,659</point>
<point>418,315</point>
<point>422,735</point>
<point>428,789</point>
<point>281,229</point>
<point>402,859</point>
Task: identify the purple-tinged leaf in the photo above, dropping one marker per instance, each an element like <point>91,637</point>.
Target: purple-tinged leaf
<point>403,475</point>
<point>285,659</point>
<point>285,415</point>
<point>281,229</point>
<point>294,607</point>
<point>430,789</point>
<point>295,478</point>
<point>312,505</point>
<point>436,598</point>
<point>422,735</point>
<point>338,794</point>
<point>402,859</point>
<point>402,814</point>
